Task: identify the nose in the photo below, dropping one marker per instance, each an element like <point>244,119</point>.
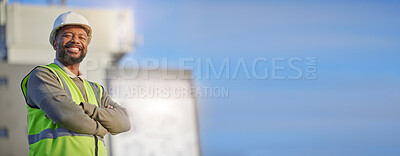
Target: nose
<point>75,39</point>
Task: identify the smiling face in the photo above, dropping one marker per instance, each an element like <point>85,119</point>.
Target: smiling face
<point>70,44</point>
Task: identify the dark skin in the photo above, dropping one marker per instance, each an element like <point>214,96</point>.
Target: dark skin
<point>71,47</point>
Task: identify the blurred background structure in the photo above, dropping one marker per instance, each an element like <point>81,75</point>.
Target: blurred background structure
<point>25,33</point>
<point>303,77</point>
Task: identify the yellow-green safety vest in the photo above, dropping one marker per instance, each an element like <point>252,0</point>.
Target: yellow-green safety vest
<point>46,138</point>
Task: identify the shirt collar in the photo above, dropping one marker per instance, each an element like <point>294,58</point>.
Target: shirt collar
<point>67,71</point>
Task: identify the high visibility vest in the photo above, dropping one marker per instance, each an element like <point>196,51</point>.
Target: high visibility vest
<point>46,138</point>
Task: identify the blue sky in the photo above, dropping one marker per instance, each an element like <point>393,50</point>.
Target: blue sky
<point>351,108</point>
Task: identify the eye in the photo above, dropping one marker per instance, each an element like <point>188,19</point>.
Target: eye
<point>67,36</point>
<point>82,38</point>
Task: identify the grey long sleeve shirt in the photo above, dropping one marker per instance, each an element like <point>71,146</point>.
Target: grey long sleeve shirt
<point>45,92</point>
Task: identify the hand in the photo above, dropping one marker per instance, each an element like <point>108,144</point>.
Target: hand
<point>109,107</point>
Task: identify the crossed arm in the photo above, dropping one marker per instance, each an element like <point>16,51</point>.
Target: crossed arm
<point>111,115</point>
<point>45,92</point>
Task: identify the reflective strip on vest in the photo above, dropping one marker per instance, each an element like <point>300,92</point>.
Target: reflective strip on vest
<point>53,134</point>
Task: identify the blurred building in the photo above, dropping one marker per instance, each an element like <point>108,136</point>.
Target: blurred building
<point>24,44</point>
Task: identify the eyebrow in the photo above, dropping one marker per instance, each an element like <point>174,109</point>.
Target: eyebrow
<point>72,33</point>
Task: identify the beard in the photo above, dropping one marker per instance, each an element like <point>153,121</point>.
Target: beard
<point>63,55</point>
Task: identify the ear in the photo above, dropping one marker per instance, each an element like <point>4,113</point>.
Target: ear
<point>54,45</point>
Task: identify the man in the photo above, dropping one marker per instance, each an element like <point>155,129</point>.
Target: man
<point>68,115</point>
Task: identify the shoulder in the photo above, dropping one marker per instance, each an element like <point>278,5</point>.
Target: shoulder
<point>42,72</point>
<point>95,85</point>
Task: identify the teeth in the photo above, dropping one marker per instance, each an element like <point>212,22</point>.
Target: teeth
<point>73,49</point>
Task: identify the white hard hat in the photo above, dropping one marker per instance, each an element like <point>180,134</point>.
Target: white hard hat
<point>70,18</point>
